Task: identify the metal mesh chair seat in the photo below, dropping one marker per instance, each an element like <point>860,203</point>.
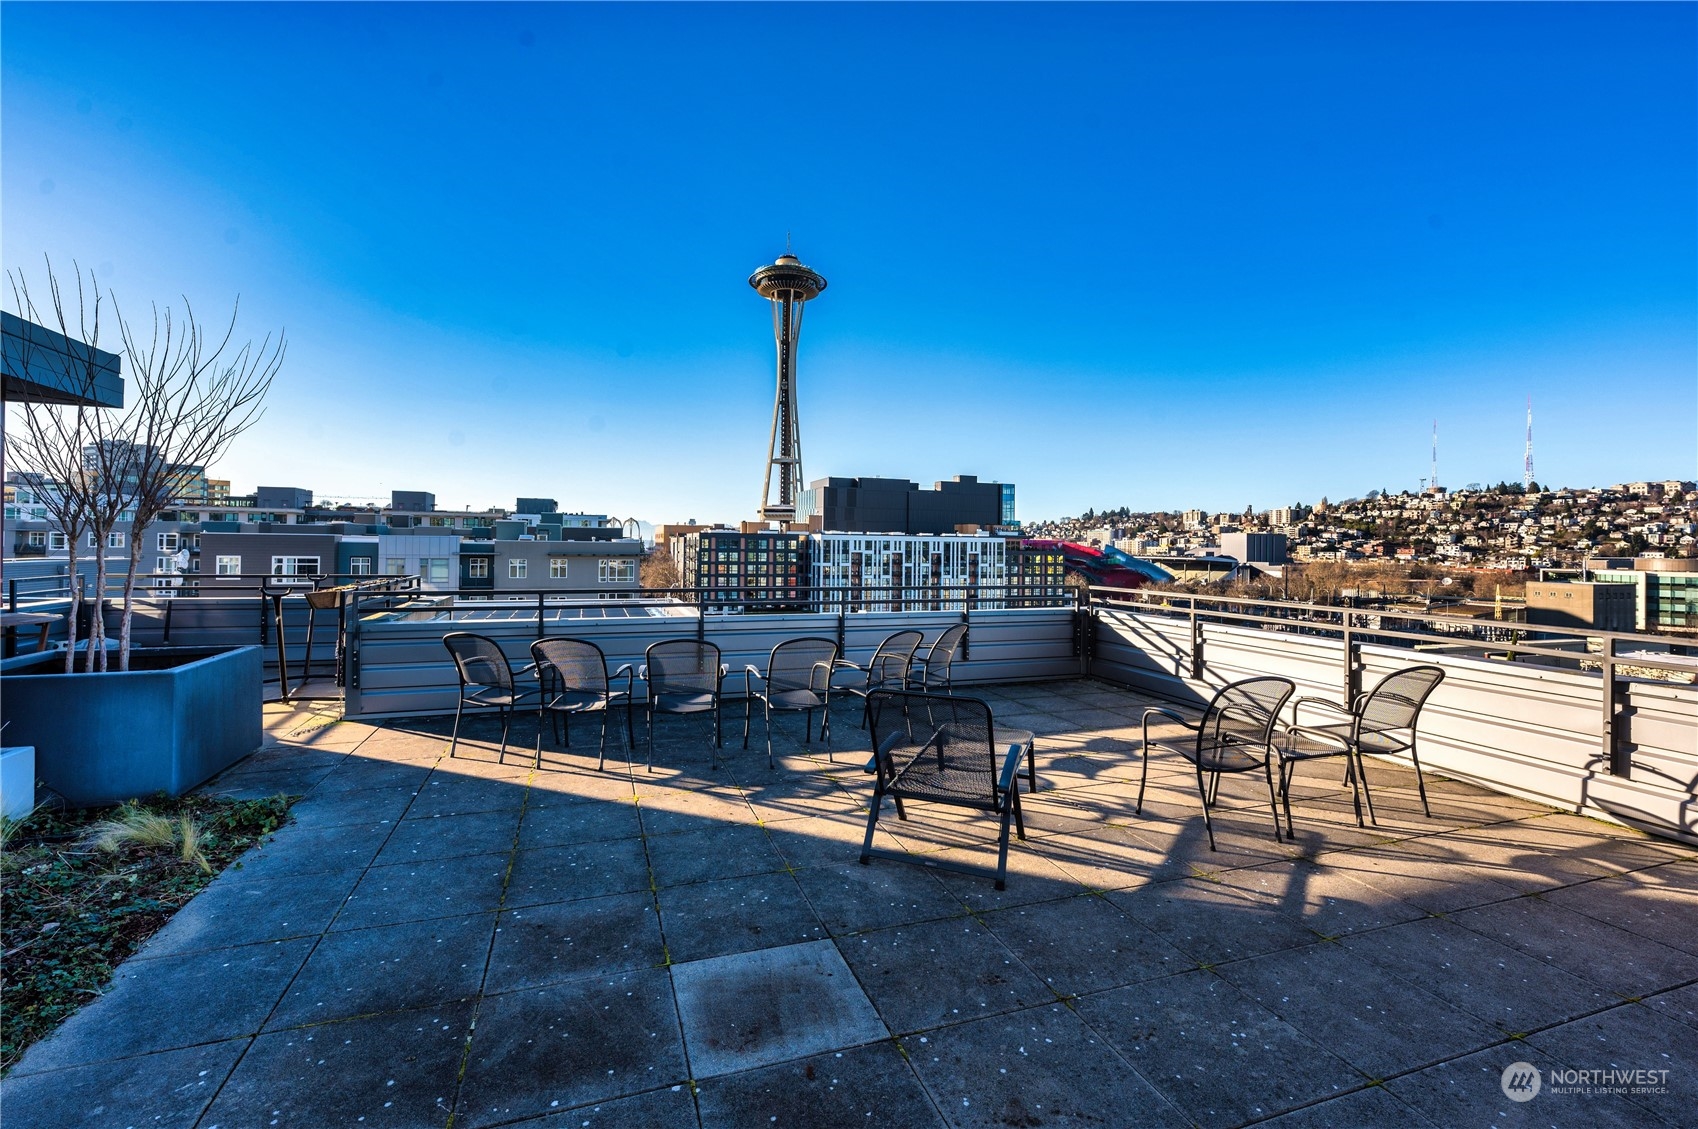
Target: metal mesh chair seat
<point>1380,722</point>
<point>797,679</point>
<point>945,750</point>
<point>574,677</point>
<point>684,676</point>
<point>684,702</point>
<point>1235,734</point>
<point>802,699</point>
<point>486,681</point>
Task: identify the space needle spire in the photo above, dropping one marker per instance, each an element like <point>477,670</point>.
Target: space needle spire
<point>789,286</point>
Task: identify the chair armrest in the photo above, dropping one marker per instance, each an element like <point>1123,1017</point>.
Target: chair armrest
<point>1323,736</point>
<point>1010,767</point>
<point>630,682</point>
<point>814,673</point>
<point>1170,715</point>
<point>845,664</point>
<point>643,672</point>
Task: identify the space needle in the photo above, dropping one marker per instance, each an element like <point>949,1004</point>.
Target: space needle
<point>789,286</point>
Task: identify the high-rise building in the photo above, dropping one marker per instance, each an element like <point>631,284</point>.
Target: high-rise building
<point>858,572</point>
<point>746,571</point>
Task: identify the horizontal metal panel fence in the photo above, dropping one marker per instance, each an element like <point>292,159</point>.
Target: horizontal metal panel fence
<point>1534,713</point>
<point>397,664</point>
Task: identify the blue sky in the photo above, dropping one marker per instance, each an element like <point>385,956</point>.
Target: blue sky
<point>1161,256</point>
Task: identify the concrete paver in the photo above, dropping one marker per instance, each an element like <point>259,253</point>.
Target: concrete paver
<point>481,941</point>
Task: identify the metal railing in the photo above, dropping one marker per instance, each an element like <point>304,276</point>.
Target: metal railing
<point>1356,627</point>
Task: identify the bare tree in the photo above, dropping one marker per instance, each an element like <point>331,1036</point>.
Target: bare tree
<point>193,392</point>
<point>659,570</point>
<point>65,439</point>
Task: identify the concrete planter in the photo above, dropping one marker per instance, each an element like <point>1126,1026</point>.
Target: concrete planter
<point>102,738</point>
<point>17,782</point>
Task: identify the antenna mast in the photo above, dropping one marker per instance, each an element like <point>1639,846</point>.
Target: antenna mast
<point>1434,481</point>
<point>1527,463</point>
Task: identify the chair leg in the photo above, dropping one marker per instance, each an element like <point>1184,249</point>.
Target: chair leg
<point>1002,848</point>
<point>1273,801</point>
<point>538,762</point>
<point>748,708</point>
<point>650,711</point>
<point>601,756</point>
<point>1203,791</point>
<point>630,737</point>
<point>825,734</point>
<point>1357,779</point>
<point>1286,770</point>
<point>1367,795</point>
<point>872,822</point>
<point>1143,777</point>
<point>455,739</point>
<point>566,720</point>
<point>808,728</point>
<point>1419,783</point>
<point>506,720</point>
<point>1019,816</point>
<point>768,710</point>
<point>1032,765</point>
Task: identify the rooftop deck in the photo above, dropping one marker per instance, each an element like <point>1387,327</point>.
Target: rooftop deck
<point>474,942</point>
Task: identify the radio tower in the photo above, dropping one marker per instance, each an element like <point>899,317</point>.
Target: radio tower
<point>789,285</point>
<point>1527,463</point>
<point>1434,481</point>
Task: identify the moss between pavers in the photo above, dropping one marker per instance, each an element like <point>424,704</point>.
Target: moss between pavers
<point>70,914</point>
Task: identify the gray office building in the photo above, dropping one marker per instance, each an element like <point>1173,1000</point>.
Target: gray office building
<point>896,505</point>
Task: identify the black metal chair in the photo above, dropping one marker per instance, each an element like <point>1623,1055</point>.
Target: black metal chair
<point>1235,734</point>
<point>931,674</point>
<point>887,669</point>
<point>684,676</point>
<point>1381,721</point>
<point>486,680</point>
<point>797,680</point>
<point>574,679</point>
<point>941,749</point>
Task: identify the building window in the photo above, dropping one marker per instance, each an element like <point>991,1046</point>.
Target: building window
<point>434,570</point>
<point>477,568</point>
<point>57,540</point>
<point>229,566</point>
<point>359,566</point>
<point>395,566</point>
<point>115,539</point>
<point>164,564</point>
<point>36,538</point>
<point>294,566</point>
<point>167,543</point>
<point>557,568</point>
<point>616,572</point>
<point>518,568</point>
<point>92,540</point>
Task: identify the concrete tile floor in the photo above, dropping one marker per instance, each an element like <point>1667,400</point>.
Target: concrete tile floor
<point>482,942</point>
